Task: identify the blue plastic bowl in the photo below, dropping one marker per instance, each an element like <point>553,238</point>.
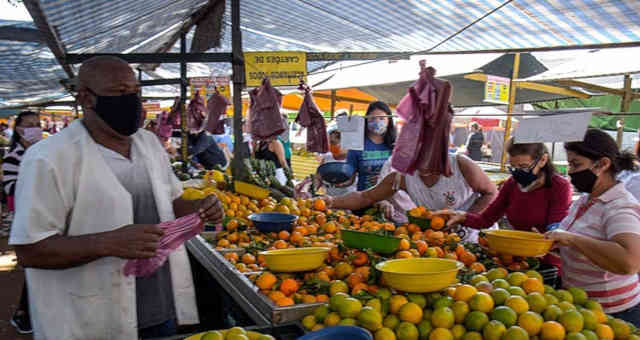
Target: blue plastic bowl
<point>338,333</point>
<point>335,172</point>
<point>272,222</point>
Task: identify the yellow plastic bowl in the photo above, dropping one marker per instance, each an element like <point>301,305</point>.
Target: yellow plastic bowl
<point>518,243</point>
<point>295,259</point>
<point>419,275</point>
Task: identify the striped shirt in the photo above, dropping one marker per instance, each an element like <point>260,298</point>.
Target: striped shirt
<point>614,212</point>
<point>10,166</point>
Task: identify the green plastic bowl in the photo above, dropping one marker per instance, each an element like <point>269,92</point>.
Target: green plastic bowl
<point>423,223</point>
<point>378,243</point>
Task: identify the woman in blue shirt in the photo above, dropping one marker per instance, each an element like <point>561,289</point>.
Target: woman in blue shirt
<point>379,139</point>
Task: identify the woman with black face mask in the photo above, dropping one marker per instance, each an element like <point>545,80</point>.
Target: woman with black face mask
<point>599,240</point>
<point>534,198</point>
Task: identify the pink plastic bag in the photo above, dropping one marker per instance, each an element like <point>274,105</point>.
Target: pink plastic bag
<point>175,234</point>
<point>424,139</point>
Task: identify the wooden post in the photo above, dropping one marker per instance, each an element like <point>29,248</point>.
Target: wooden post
<point>627,98</point>
<point>333,103</point>
<point>240,150</point>
<point>183,99</point>
<point>512,101</point>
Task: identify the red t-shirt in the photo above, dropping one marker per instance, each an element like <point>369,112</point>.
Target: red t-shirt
<point>525,210</point>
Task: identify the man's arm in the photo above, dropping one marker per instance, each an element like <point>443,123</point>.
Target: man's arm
<point>136,241</point>
<point>479,182</point>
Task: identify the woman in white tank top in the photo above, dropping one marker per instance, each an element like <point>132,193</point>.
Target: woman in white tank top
<point>468,189</point>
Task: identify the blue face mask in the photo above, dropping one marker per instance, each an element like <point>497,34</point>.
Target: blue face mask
<point>377,127</point>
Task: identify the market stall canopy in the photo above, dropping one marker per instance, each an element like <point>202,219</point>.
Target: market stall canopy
<point>153,26</point>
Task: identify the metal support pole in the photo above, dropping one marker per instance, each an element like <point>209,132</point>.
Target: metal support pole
<point>240,150</point>
<point>512,101</point>
<point>333,103</point>
<point>627,98</point>
<point>183,99</point>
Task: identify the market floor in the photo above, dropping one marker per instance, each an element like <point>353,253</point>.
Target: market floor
<point>11,280</point>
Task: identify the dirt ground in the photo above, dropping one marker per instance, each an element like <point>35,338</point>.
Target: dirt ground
<point>11,280</point>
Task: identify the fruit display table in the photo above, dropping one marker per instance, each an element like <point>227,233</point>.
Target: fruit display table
<point>262,311</point>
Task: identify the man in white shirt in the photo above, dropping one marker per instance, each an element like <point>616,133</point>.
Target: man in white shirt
<point>87,200</point>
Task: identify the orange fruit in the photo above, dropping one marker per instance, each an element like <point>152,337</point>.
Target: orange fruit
<point>319,204</point>
<point>248,259</point>
<point>365,271</point>
<point>342,270</point>
<point>359,287</point>
<point>437,222</point>
<point>284,235</point>
<point>289,286</point>
<point>353,279</point>
<point>322,298</point>
<point>296,238</point>
<point>531,285</point>
<point>285,301</point>
<point>231,257</point>
<point>360,258</point>
<point>323,276</point>
<point>280,244</point>
<point>404,244</point>
<point>223,243</point>
<point>464,292</point>
<point>404,254</point>
<point>466,257</point>
<point>266,281</point>
<point>412,228</point>
<point>275,295</point>
<point>552,330</point>
<point>604,332</point>
<point>422,247</point>
<point>309,299</point>
<point>478,267</point>
<point>232,225</point>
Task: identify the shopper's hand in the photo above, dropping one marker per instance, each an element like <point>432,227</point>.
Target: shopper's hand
<point>454,217</point>
<point>386,208</point>
<point>211,210</point>
<point>134,241</point>
<point>328,201</point>
<point>560,237</point>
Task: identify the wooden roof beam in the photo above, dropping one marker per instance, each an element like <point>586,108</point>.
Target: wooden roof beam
<point>594,87</point>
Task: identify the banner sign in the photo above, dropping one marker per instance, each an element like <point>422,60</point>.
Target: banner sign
<point>282,68</point>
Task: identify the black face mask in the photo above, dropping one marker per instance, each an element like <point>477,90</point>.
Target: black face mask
<point>524,177</point>
<point>583,180</point>
<point>121,113</point>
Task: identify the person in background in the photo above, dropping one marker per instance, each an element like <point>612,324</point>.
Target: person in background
<point>631,178</point>
<point>379,140</point>
<point>205,150</point>
<point>27,132</point>
<point>534,198</point>
<point>475,142</point>
<point>286,142</point>
<point>599,240</point>
<point>335,154</point>
<point>271,151</point>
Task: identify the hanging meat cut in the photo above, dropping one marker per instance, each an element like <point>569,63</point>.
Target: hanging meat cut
<point>265,120</point>
<point>217,107</point>
<point>310,117</point>
<point>196,113</point>
<point>164,126</point>
<point>424,141</point>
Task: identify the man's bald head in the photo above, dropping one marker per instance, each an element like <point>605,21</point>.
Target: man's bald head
<point>102,69</point>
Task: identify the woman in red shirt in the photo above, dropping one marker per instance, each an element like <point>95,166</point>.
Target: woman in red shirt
<point>534,198</point>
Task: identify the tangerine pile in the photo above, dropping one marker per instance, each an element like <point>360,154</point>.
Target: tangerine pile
<point>497,305</point>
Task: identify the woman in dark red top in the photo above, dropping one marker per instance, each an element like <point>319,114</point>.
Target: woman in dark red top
<point>534,198</point>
